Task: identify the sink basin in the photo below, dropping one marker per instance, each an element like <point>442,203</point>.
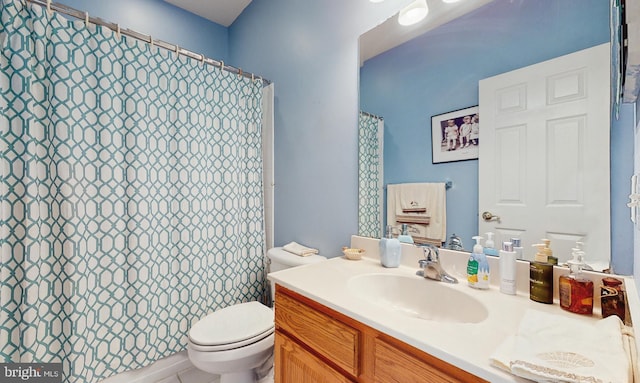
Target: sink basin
<point>418,298</point>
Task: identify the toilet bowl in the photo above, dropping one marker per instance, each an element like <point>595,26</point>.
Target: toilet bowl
<point>235,341</point>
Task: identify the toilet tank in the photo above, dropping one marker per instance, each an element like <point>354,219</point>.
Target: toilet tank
<point>280,259</point>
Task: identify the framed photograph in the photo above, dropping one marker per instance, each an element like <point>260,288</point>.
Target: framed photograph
<point>455,136</point>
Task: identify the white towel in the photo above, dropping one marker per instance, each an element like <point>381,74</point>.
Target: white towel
<point>555,348</point>
<point>431,197</point>
<point>298,249</point>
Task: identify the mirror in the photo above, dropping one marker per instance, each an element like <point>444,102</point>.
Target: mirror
<point>438,72</point>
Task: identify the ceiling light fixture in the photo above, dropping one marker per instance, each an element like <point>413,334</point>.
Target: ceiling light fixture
<point>450,1</point>
<point>413,12</point>
<point>376,1</point>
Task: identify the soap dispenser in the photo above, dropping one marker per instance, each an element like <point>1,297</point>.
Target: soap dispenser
<point>489,246</point>
<point>576,291</point>
<point>541,275</point>
<point>478,267</point>
<point>390,250</point>
<point>405,237</point>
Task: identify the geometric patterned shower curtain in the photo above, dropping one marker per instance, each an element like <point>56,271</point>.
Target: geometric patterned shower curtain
<point>370,175</point>
<point>130,195</point>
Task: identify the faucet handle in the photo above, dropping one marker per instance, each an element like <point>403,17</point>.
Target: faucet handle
<point>430,252</point>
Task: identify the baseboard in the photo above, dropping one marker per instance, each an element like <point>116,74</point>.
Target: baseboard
<point>163,370</point>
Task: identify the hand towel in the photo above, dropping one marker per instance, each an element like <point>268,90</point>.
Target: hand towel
<point>428,196</point>
<point>554,348</point>
<point>413,218</point>
<point>298,249</point>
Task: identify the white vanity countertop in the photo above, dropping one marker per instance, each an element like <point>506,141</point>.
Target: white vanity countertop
<point>467,346</point>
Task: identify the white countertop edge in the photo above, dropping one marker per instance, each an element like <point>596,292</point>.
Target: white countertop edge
<point>633,303</point>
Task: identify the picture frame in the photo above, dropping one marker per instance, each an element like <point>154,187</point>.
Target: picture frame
<point>455,135</point>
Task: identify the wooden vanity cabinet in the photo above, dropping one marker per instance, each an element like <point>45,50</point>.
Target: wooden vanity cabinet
<point>316,344</point>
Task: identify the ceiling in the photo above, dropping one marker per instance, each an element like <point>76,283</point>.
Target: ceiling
<point>390,34</point>
<point>385,36</point>
<point>223,12</point>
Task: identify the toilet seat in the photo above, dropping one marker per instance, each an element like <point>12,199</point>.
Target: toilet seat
<point>232,327</point>
<point>230,346</point>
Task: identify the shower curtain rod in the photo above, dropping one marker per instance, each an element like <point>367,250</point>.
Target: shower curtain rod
<point>371,115</point>
<point>146,38</point>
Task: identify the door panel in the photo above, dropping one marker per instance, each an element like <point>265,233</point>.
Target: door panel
<point>544,154</point>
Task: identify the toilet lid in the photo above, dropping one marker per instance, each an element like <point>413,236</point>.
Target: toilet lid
<point>233,324</point>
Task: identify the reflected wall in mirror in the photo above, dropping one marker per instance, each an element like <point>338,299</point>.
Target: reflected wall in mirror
<point>439,71</point>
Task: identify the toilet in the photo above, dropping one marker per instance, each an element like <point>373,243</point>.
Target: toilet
<point>235,341</point>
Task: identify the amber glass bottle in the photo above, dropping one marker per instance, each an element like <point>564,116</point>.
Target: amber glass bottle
<point>612,298</point>
<point>576,291</point>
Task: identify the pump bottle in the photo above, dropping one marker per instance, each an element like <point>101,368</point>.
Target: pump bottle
<point>576,291</point>
<point>541,275</point>
<point>489,246</point>
<point>390,250</point>
<point>478,267</point>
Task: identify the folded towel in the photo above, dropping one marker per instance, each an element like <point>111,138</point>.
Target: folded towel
<point>555,348</point>
<point>422,240</point>
<point>412,218</point>
<point>299,249</point>
<point>415,210</point>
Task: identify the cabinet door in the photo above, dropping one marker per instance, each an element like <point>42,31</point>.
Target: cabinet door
<point>327,336</point>
<point>395,364</point>
<point>294,364</point>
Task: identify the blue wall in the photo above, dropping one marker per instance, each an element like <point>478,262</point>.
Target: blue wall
<point>439,72</point>
<point>162,21</point>
<point>309,48</point>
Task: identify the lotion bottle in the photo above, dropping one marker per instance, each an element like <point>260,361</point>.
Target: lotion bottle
<point>390,250</point>
<point>405,237</point>
<point>508,269</point>
<point>489,246</point>
<point>478,267</point>
<point>518,248</point>
<point>541,275</point>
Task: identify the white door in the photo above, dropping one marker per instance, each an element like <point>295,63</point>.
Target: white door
<point>544,155</point>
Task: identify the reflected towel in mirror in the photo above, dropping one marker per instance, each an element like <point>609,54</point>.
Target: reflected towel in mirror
<point>430,223</point>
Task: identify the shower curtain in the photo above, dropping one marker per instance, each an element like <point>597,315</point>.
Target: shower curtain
<point>370,175</point>
<point>130,195</point>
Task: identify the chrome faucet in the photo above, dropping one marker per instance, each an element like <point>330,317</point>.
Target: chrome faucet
<point>430,265</point>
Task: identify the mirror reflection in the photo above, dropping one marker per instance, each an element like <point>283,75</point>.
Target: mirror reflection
<point>438,72</point>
